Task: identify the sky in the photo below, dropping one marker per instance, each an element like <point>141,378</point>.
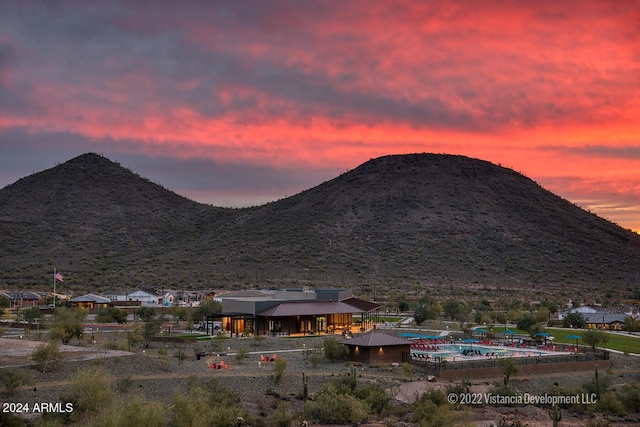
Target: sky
<point>240,103</point>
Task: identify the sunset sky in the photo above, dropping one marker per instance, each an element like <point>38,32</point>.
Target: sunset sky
<point>241,102</point>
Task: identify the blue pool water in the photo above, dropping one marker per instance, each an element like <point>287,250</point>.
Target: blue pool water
<point>471,352</point>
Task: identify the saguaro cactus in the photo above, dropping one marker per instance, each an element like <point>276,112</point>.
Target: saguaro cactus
<point>353,379</point>
<point>556,415</point>
<point>305,387</point>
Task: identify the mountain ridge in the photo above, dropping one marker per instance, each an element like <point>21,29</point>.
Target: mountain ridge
<point>432,219</point>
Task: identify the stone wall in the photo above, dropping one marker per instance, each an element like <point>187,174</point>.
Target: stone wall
<point>523,370</point>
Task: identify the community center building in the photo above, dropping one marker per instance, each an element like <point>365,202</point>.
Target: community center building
<point>297,311</point>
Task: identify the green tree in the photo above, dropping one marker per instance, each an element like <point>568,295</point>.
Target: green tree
<point>543,314</point>
<point>631,324</point>
<point>178,313</point>
<point>526,322</point>
<point>205,309</point>
<point>594,338</point>
<point>68,323</point>
<point>4,302</point>
<point>151,328</point>
<point>574,320</point>
<point>111,315</point>
<point>453,309</point>
<point>145,313</point>
<point>509,368</point>
<point>426,309</point>
<point>31,314</point>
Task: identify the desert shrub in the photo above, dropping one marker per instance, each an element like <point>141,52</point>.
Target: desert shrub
<point>630,397</point>
<point>145,313</point>
<point>315,354</point>
<point>180,354</point>
<point>609,404</point>
<point>123,384</point>
<point>503,390</point>
<point>11,379</point>
<point>431,409</point>
<point>242,354</point>
<point>281,417</point>
<point>134,337</point>
<point>407,371</point>
<point>334,350</point>
<point>375,396</point>
<point>10,420</point>
<point>47,356</point>
<point>458,387</point>
<point>111,315</point>
<point>330,407</point>
<point>207,405</point>
<point>89,392</point>
<point>598,385</point>
<point>279,366</point>
<point>137,412</point>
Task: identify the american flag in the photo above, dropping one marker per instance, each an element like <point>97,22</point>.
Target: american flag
<point>58,277</point>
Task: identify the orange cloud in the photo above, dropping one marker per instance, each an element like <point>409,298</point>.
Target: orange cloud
<point>548,88</point>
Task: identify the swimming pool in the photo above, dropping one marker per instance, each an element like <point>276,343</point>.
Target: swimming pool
<point>453,352</point>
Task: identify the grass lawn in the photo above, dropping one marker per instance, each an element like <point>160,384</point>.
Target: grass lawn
<point>618,342</point>
<point>390,319</point>
<point>501,331</point>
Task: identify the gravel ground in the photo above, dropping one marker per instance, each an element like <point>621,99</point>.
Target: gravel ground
<point>148,374</point>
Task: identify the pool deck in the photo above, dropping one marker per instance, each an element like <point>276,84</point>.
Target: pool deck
<point>465,351</point>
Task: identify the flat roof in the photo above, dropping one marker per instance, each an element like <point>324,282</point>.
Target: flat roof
<point>310,308</point>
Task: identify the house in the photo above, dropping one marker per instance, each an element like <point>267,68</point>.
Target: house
<point>145,297</point>
<point>374,348</point>
<point>583,309</point>
<point>22,298</point>
<point>186,298</point>
<point>90,301</point>
<point>296,311</point>
<point>605,320</point>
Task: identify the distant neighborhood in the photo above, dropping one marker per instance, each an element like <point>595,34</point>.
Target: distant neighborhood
<point>147,297</point>
<point>616,318</point>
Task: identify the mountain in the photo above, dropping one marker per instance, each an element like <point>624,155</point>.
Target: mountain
<point>395,221</point>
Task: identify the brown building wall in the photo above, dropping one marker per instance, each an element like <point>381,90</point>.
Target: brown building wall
<point>377,355</point>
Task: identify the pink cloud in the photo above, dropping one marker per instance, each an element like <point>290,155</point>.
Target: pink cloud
<point>525,84</point>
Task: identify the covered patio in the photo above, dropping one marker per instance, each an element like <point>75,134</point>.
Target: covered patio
<point>313,317</point>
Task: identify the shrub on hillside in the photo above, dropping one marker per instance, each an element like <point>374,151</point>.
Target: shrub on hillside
<point>13,378</point>
<point>47,356</point>
<point>334,350</point>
